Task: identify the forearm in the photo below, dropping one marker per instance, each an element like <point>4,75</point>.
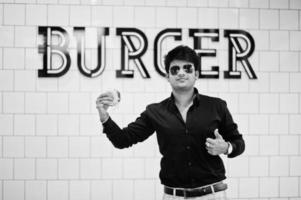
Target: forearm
<point>238,147</point>
<point>135,132</point>
<point>115,134</point>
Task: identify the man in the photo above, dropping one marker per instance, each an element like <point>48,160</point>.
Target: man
<point>193,130</point>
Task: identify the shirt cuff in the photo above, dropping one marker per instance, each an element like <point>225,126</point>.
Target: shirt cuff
<point>105,120</point>
<point>230,148</point>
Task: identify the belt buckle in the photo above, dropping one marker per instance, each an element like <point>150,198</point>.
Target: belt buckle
<point>206,190</point>
<point>174,192</point>
<point>185,194</point>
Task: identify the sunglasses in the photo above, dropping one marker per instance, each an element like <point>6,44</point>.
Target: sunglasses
<point>174,70</point>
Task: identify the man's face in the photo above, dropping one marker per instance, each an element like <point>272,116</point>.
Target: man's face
<point>182,75</point>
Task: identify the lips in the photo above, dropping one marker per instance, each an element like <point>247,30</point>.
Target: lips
<point>181,79</point>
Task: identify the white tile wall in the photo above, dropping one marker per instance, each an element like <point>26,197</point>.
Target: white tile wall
<point>279,166</point>
<point>165,17</point>
<point>259,3</point>
<point>79,190</point>
<point>269,145</point>
<point>187,17</point>
<point>58,15</point>
<point>279,124</point>
<point>35,190</point>
<point>249,188</point>
<point>294,125</point>
<point>144,189</point>
<point>36,15</point>
<point>47,169</point>
<point>10,188</point>
<point>24,80</point>
<point>68,168</point>
<point>79,147</point>
<point>259,166</point>
<point>68,124</point>
<point>289,187</point>
<point>238,3</point>
<point>145,16</point>
<point>279,82</point>
<point>249,18</point>
<point>295,82</point>
<point>24,169</point>
<point>287,19</point>
<point>46,125</point>
<point>7,169</point>
<point>279,40</point>
<point>104,193</point>
<point>269,103</point>
<point>35,146</point>
<point>289,61</point>
<point>7,77</point>
<point>13,147</point>
<point>294,40</point>
<point>13,58</point>
<point>14,14</point>
<point>1,17</point>
<point>208,13</point>
<point>228,18</point>
<point>35,103</point>
<point>80,15</point>
<point>126,193</point>
<point>51,145</point>
<point>133,168</point>
<point>123,16</point>
<point>57,190</point>
<point>269,187</point>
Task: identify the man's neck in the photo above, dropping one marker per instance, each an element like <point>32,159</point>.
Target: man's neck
<point>183,98</point>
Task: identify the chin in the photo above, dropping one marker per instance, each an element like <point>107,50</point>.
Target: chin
<point>182,87</point>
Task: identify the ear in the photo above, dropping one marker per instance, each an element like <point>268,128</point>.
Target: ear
<point>197,74</point>
<point>167,76</point>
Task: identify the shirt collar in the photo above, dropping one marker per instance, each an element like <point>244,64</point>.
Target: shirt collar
<point>196,98</point>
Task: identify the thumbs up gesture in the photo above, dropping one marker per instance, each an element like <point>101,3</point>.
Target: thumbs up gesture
<point>216,146</point>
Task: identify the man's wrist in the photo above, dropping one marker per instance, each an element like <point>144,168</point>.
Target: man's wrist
<point>105,119</point>
<point>229,149</point>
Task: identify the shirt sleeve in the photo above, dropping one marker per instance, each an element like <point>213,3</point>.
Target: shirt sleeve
<point>230,133</point>
<point>135,132</point>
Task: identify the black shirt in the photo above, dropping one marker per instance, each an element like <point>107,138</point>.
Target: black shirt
<point>185,161</point>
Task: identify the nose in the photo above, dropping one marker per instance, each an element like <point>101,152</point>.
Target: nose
<point>181,72</point>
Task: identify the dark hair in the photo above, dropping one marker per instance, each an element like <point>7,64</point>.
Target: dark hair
<point>182,53</point>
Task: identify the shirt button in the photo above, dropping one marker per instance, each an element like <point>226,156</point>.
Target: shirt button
<point>187,147</point>
<point>186,131</point>
<point>189,163</point>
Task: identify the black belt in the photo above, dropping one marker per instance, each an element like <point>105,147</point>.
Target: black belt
<point>196,192</point>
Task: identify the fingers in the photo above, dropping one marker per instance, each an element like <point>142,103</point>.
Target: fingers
<point>211,149</point>
<point>215,146</point>
<point>211,145</point>
<point>110,98</point>
<point>211,141</point>
<point>108,103</point>
<point>106,100</point>
<point>217,135</point>
<point>106,94</point>
<point>99,99</point>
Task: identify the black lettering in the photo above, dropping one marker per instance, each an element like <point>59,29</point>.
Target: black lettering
<point>236,53</point>
<point>48,49</point>
<point>158,57</point>
<point>81,54</point>
<point>197,35</point>
<point>129,51</point>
